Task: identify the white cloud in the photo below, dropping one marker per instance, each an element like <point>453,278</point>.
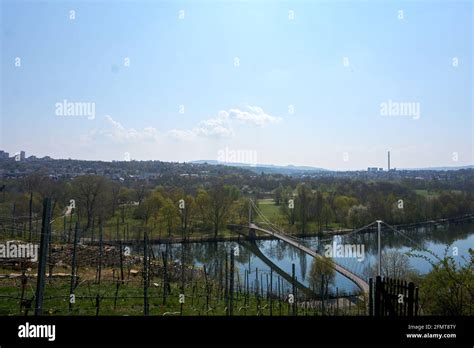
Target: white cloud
<point>120,133</point>
<point>181,134</point>
<point>253,115</point>
<point>221,126</point>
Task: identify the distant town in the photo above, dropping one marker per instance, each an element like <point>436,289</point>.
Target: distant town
<point>20,165</point>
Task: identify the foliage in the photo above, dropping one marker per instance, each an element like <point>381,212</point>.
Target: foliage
<point>322,273</point>
<point>448,289</point>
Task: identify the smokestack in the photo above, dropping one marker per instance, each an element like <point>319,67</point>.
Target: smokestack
<point>389,161</point>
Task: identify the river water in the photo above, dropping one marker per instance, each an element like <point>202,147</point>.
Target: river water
<point>279,256</point>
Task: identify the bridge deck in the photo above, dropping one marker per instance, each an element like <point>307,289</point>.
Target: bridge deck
<point>361,283</point>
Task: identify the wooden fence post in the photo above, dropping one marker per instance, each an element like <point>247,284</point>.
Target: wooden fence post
<point>63,238</point>
<point>13,219</point>
<point>97,305</point>
<point>271,292</point>
<point>226,288</point>
<point>416,302</point>
<point>73,266</point>
<point>45,230</point>
<point>371,297</point>
<point>121,261</point>
<point>377,297</point>
<point>145,274</point>
<point>70,229</point>
<point>231,285</point>
<point>30,215</point>
<point>293,286</point>
<point>99,262</point>
<point>411,299</point>
<point>165,277</point>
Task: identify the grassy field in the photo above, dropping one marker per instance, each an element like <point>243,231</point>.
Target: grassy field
<point>427,193</point>
<point>269,209</point>
<point>433,194</point>
<point>274,214</point>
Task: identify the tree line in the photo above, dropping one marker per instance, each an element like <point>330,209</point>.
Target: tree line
<point>352,204</point>
<point>303,206</point>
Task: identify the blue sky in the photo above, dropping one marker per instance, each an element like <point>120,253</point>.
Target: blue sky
<point>238,69</point>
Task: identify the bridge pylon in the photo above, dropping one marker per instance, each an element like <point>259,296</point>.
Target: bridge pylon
<point>251,230</point>
<point>379,248</point>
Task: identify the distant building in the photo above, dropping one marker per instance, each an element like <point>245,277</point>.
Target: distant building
<point>372,169</point>
<point>22,155</point>
<point>4,155</point>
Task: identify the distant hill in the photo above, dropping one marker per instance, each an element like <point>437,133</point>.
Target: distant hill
<point>440,168</point>
<point>266,168</point>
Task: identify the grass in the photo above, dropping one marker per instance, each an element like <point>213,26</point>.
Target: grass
<point>274,214</point>
<point>269,209</point>
<point>426,193</point>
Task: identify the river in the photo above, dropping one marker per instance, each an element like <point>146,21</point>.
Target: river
<point>279,256</point>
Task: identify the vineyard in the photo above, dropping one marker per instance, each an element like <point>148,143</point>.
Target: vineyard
<point>109,281</point>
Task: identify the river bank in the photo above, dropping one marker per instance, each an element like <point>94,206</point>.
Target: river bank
<point>241,235</point>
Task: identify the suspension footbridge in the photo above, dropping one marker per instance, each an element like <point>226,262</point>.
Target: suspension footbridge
<point>347,270</point>
<point>361,283</point>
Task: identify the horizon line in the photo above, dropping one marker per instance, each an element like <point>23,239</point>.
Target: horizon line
<point>245,165</point>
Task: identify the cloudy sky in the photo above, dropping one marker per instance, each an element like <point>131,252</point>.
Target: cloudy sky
<point>326,84</point>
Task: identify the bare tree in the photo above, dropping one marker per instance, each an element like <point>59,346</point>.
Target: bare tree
<point>32,183</point>
<point>140,192</point>
<point>90,190</point>
<point>395,265</point>
<point>215,204</point>
<point>114,195</point>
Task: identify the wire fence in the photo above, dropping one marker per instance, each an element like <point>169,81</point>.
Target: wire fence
<point>105,280</point>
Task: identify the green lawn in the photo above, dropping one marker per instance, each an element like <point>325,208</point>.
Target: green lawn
<point>269,209</point>
<point>426,193</point>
